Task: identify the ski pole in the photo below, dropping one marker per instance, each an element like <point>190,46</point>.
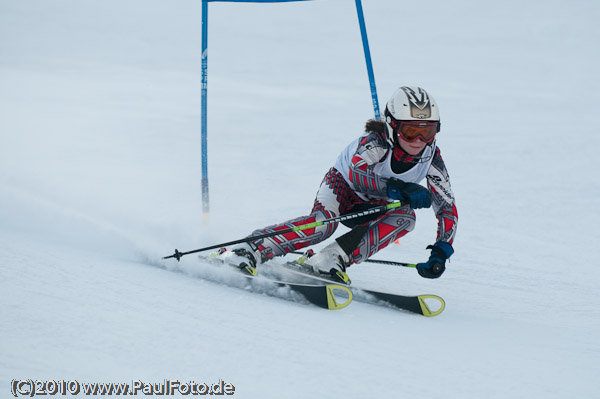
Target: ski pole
<point>382,208</point>
<point>383,262</point>
<point>390,263</point>
<point>437,267</point>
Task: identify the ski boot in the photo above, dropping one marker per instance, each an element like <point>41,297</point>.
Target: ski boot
<point>243,256</point>
<point>330,262</point>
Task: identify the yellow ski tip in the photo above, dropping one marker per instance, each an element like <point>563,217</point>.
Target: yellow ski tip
<point>426,309</point>
<point>332,302</point>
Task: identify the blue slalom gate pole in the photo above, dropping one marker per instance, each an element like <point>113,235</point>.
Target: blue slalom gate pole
<point>203,113</point>
<point>204,97</point>
<point>365,40</point>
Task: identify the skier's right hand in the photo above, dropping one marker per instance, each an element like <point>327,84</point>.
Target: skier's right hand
<point>414,194</point>
<point>435,266</point>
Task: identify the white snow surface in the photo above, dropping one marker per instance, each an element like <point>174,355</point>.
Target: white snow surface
<point>100,172</point>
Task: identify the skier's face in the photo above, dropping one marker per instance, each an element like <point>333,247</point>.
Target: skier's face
<point>412,147</point>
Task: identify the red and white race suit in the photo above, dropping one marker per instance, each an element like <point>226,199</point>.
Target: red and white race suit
<point>359,180</point>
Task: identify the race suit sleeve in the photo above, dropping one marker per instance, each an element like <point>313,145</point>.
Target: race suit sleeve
<point>372,148</point>
<point>443,202</point>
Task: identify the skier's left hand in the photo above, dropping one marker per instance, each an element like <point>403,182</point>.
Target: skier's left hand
<point>436,265</point>
<point>412,193</point>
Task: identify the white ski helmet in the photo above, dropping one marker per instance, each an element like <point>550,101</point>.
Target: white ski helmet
<point>409,104</point>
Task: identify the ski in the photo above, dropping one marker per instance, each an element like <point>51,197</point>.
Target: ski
<point>319,289</point>
<point>326,296</point>
<point>415,304</point>
<point>426,305</point>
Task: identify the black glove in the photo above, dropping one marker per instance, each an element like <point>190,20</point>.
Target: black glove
<point>414,194</point>
<point>436,264</point>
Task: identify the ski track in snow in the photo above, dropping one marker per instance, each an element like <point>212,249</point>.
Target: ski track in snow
<point>100,178</point>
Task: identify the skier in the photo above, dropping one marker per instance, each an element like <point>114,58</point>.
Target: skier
<point>383,165</point>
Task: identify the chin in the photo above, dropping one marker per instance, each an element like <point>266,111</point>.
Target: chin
<point>411,149</point>
<point>415,151</point>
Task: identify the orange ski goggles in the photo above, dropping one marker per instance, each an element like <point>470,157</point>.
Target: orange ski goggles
<point>412,130</point>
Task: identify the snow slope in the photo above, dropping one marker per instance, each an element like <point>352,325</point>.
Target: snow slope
<point>100,177</point>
